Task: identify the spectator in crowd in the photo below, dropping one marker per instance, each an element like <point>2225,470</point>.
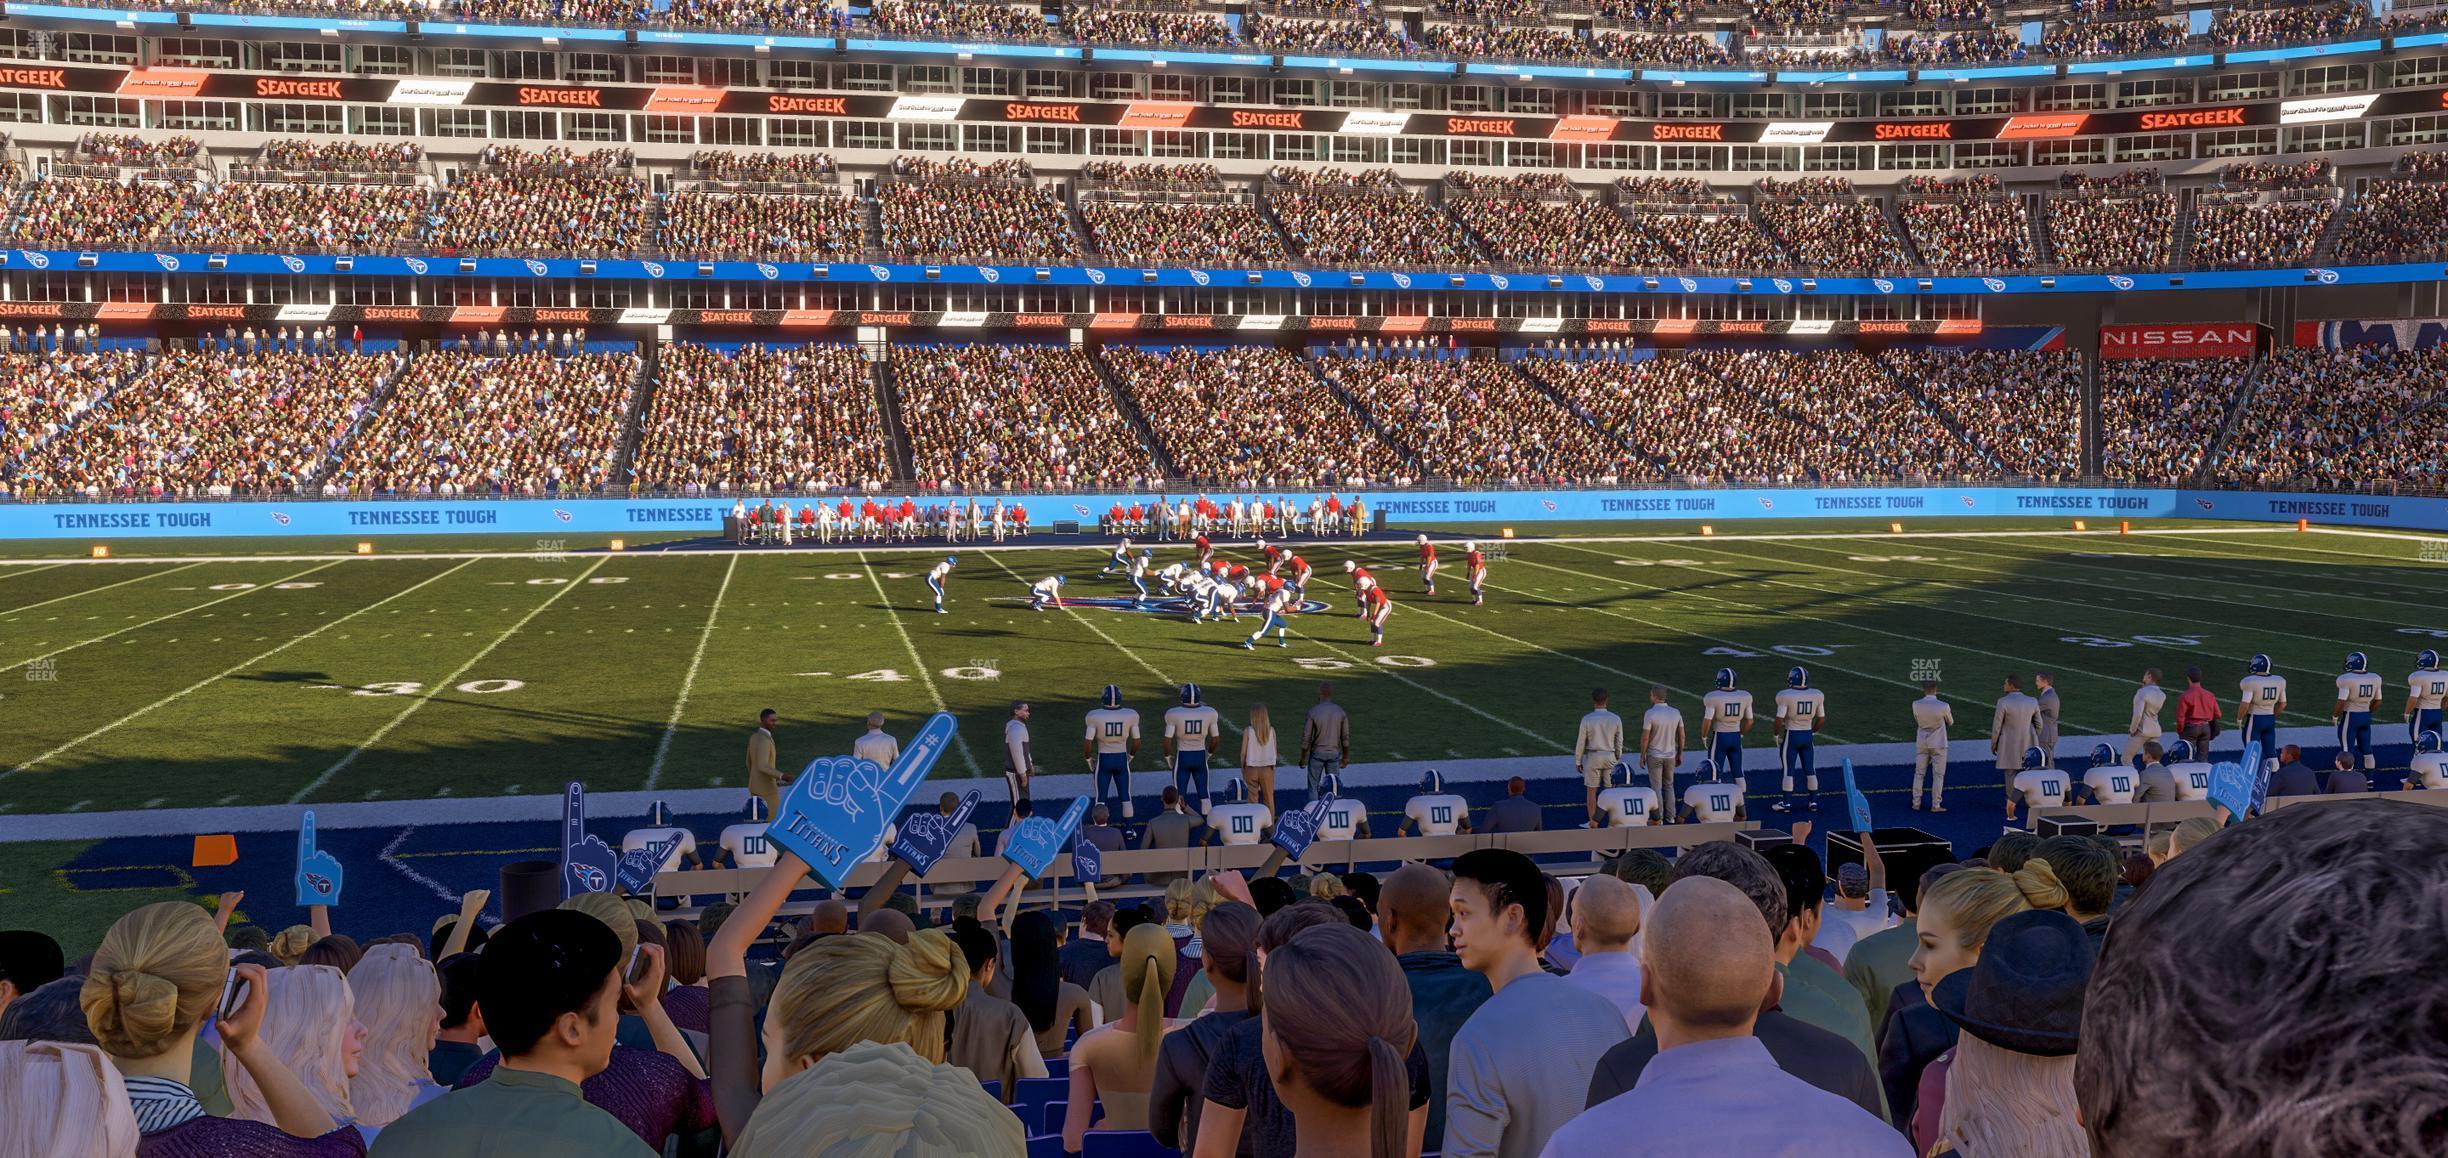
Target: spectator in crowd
<point>2312,414</point>
<point>1606,920</point>
<point>1957,913</point>
<point>49,1013</point>
<point>456,1044</point>
<point>1117,1062</point>
<point>2160,415</point>
<point>160,970</point>
<point>2247,229</point>
<point>1707,972</point>
<point>1152,217</point>
<point>2088,871</point>
<point>961,211</point>
<point>2294,777</point>
<point>1335,216</point>
<point>2391,220</point>
<point>1412,914</point>
<point>1860,904</point>
<point>1337,1028</point>
<point>1054,1006</point>
<point>1093,25</point>
<point>2296,24</point>
<point>1967,225</point>
<point>2085,37</point>
<point>1085,955</point>
<point>1448,411</point>
<point>1821,1057</point>
<point>29,960</point>
<point>1250,417</point>
<point>2010,1081</point>
<point>1520,1065</point>
<point>66,1100</point>
<point>1814,989</point>
<point>684,957</point>
<point>991,1038</point>
<point>1174,1103</point>
<point>312,1026</point>
<point>2322,1022</point>
<point>1515,812</point>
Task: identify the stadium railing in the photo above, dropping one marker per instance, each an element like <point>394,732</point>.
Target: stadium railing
<point>954,876</point>
<point>2410,796</point>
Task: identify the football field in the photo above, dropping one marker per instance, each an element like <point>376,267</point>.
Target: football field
<point>188,681</point>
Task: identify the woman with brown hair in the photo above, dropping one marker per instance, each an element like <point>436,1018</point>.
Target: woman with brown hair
<point>1337,1027</point>
<point>1118,1062</point>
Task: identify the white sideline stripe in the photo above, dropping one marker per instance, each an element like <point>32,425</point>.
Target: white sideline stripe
<point>654,773</point>
<point>652,551</point>
<point>199,685</point>
<point>162,618</point>
<point>925,675</point>
<point>343,762</point>
<point>89,590</point>
<point>1968,759</point>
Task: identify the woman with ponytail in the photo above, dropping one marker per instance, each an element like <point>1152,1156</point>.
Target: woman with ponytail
<point>1337,1028</point>
<point>159,973</point>
<point>853,1043</point>
<point>1118,1062</point>
<point>1953,925</point>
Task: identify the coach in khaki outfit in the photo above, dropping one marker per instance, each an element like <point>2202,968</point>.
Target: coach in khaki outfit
<point>765,782</point>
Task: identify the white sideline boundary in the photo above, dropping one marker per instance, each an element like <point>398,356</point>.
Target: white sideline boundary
<point>990,548</point>
<point>1969,760</point>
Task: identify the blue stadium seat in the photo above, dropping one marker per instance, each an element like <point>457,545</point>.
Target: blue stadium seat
<point>1058,1068</point>
<point>1037,1092</point>
<point>1125,1144</point>
<point>1046,1146</point>
<point>1051,1119</point>
<point>993,1090</point>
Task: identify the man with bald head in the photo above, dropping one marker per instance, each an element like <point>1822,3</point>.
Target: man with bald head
<point>891,923</point>
<point>1818,1056</point>
<point>1605,917</point>
<point>829,918</point>
<point>1707,969</point>
<point>1412,908</point>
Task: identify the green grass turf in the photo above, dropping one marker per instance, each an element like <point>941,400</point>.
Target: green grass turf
<point>139,685</point>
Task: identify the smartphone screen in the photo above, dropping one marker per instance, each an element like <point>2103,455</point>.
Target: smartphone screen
<point>233,996</point>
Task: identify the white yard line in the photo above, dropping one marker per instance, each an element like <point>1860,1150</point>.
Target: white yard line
<point>1465,705</point>
<point>1635,677</point>
<point>654,772</point>
<point>234,669</point>
<point>925,674</point>
<point>162,618</point>
<point>97,590</point>
<point>25,571</point>
<point>444,683</point>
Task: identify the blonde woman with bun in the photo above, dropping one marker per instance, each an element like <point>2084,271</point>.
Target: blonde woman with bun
<point>64,1101</point>
<point>399,1004</point>
<point>157,976</point>
<point>1955,917</point>
<point>1117,1062</point>
<point>878,1098</point>
<point>312,1027</point>
<point>291,943</point>
<point>833,995</point>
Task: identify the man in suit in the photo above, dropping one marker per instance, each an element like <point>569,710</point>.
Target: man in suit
<point>2046,685</point>
<point>2294,777</point>
<point>765,781</point>
<point>2158,784</point>
<point>1516,812</point>
<point>1101,832</point>
<point>1169,828</point>
<point>1085,956</point>
<point>2348,778</point>
<point>2012,729</point>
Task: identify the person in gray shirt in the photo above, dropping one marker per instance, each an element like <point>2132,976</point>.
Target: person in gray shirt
<point>1520,1067</point>
<point>1169,828</point>
<point>1325,739</point>
<point>2158,784</point>
<point>2045,725</point>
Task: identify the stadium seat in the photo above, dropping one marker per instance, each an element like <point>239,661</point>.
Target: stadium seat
<point>1046,1146</point>
<point>1125,1144</point>
<point>1058,1068</point>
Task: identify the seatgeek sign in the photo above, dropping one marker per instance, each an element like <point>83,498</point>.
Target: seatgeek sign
<point>550,518</point>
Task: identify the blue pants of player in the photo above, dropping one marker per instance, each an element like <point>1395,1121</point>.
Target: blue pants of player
<point>2263,730</point>
<point>1113,782</point>
<point>1139,585</point>
<point>1274,623</point>
<point>2425,720</point>
<point>936,586</point>
<point>1190,769</point>
<point>2354,737</point>
<point>1795,752</point>
<point>1725,756</point>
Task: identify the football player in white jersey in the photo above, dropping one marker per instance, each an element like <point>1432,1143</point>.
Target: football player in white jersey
<point>2261,697</point>
<point>1436,812</point>
<point>2429,769</point>
<point>2110,780</point>
<point>659,826</point>
<point>1198,587</point>
<point>1714,800</point>
<point>1800,709</point>
<point>1346,818</point>
<point>2426,691</point>
<point>2358,692</point>
<point>1046,592</point>
<point>1278,601</point>
<point>1111,741</point>
<point>935,577</point>
<point>1139,565</point>
<point>744,844</point>
<point>1224,600</point>
<point>1729,716</point>
<point>1628,803</point>
<point>1237,819</point>
<point>2191,773</point>
<point>1191,731</point>
<point>1171,576</point>
<point>1120,560</point>
<point>2041,786</point>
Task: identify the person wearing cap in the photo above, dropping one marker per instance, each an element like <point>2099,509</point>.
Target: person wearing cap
<point>1861,902</point>
<point>2010,1078</point>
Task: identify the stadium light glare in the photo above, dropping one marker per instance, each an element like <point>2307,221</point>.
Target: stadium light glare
<point>2080,526</point>
<point>365,548</point>
<point>101,551</point>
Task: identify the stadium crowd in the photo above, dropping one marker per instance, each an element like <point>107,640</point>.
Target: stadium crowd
<point>2122,222</point>
<point>1867,427</point>
<point>1724,999</point>
<point>1250,418</point>
<point>2245,228</point>
<point>1013,417</point>
<point>956,20</point>
<point>1541,221</point>
<point>2391,220</point>
<point>348,158</point>
<point>547,201</point>
<point>762,226</point>
<point>961,211</point>
<point>2312,409</point>
<point>1366,37</point>
<point>1825,226</point>
<point>760,418</point>
<point>1180,229</point>
<point>46,391</point>
<point>2158,417</point>
<point>1337,216</point>
<point>2021,408</point>
<point>1471,420</point>
<point>464,421</point>
<point>207,423</point>
<point>1089,24</point>
<point>1968,228</point>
